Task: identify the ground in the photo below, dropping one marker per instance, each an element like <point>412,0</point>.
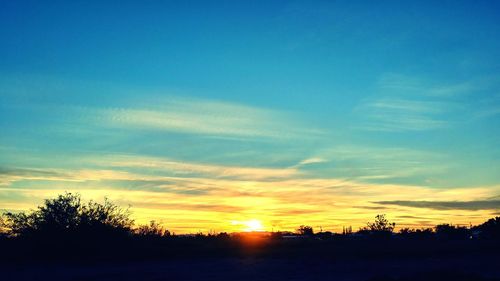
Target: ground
<point>475,268</point>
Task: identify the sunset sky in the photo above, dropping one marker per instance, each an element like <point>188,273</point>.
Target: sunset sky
<point>217,115</point>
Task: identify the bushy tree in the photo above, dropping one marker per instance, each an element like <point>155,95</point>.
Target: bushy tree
<point>305,230</point>
<point>449,231</point>
<point>68,215</point>
<point>381,226</point>
<point>416,233</point>
<point>105,216</point>
<point>152,229</point>
<point>490,229</point>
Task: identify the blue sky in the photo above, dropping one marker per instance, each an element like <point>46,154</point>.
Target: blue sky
<point>124,96</point>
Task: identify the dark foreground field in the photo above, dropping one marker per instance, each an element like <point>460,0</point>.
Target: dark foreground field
<point>450,268</point>
<point>231,259</point>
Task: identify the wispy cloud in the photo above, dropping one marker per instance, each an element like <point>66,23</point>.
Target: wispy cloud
<point>8,175</point>
<point>312,160</point>
<point>190,169</point>
<point>372,163</point>
<point>413,85</point>
<point>204,117</point>
<point>447,205</point>
<point>405,103</point>
<point>400,113</point>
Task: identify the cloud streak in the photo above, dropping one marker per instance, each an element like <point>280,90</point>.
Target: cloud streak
<point>372,163</point>
<point>447,205</point>
<point>403,114</point>
<point>193,169</point>
<point>204,117</point>
<point>403,103</point>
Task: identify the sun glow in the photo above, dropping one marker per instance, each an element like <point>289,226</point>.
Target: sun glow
<point>250,225</point>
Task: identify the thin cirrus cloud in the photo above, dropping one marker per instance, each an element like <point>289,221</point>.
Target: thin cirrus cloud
<point>312,160</point>
<point>192,169</point>
<point>9,176</point>
<point>411,85</point>
<point>403,115</point>
<point>377,163</point>
<point>447,205</point>
<point>405,103</point>
<point>203,117</point>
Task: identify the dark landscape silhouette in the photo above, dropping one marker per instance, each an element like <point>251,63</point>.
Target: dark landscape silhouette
<point>66,232</point>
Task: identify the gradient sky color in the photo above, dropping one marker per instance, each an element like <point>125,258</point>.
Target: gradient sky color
<point>204,115</point>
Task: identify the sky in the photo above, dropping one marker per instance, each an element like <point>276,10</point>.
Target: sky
<point>217,115</point>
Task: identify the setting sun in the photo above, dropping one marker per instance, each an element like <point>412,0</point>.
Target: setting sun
<point>254,225</point>
<point>250,225</point>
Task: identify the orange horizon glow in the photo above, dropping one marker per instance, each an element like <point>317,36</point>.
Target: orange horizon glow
<point>249,206</point>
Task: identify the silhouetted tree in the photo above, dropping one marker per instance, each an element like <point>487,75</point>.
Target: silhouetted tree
<point>490,229</point>
<point>67,215</point>
<point>347,230</point>
<point>381,226</point>
<point>324,235</point>
<point>152,229</point>
<point>449,231</point>
<point>406,230</point>
<point>416,233</point>
<point>223,235</point>
<point>305,230</point>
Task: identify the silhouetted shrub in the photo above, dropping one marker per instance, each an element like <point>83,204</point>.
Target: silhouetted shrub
<point>448,231</point>
<point>152,229</point>
<point>380,227</point>
<point>416,233</point>
<point>490,229</point>
<point>381,224</point>
<point>223,235</point>
<point>66,215</point>
<point>324,235</point>
<point>305,230</point>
